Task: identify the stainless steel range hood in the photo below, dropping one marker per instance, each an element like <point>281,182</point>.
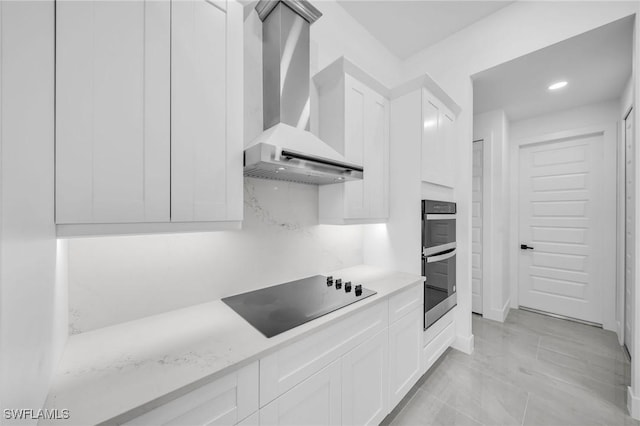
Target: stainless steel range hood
<point>286,150</point>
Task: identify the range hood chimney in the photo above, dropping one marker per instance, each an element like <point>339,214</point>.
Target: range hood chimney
<point>286,150</point>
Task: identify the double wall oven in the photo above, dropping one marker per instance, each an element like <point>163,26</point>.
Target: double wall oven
<point>438,258</point>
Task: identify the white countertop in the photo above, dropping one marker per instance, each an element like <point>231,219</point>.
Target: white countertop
<point>116,373</point>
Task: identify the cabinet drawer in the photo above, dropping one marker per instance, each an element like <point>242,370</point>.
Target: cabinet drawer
<point>437,339</point>
<point>225,401</point>
<point>289,366</point>
<point>404,302</point>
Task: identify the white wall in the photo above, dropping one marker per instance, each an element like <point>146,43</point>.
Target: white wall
<point>32,329</point>
<point>116,279</point>
<point>337,34</point>
<point>626,101</point>
<point>493,127</point>
<point>602,117</point>
<point>575,118</point>
<point>507,34</point>
<point>633,392</point>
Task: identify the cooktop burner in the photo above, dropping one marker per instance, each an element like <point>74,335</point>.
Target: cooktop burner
<point>276,309</point>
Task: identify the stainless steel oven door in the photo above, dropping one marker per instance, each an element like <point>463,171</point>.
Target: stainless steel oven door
<point>440,285</point>
<point>438,232</point>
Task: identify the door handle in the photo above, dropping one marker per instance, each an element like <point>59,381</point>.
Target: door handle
<point>525,247</point>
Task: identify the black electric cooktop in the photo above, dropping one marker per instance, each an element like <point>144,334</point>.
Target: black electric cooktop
<point>276,309</point>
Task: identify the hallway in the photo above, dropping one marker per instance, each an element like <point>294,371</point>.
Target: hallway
<point>530,370</point>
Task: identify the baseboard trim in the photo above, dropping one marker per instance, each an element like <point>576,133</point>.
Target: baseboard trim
<point>633,404</point>
<point>620,333</point>
<point>498,314</point>
<point>464,344</point>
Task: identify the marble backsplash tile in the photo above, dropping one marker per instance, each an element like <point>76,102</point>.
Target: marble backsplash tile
<point>118,279</point>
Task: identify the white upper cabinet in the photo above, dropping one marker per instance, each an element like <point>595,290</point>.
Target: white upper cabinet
<point>112,111</point>
<point>148,116</point>
<point>354,120</point>
<point>438,142</point>
<point>206,148</point>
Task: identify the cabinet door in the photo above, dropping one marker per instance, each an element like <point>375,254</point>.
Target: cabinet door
<point>376,157</point>
<point>365,382</point>
<point>315,401</point>
<point>448,139</point>
<point>206,169</point>
<point>433,154</point>
<point>356,106</point>
<point>225,401</point>
<point>112,111</point>
<point>405,341</point>
<point>366,143</point>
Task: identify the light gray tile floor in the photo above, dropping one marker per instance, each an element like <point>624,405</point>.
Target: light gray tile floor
<point>530,370</point>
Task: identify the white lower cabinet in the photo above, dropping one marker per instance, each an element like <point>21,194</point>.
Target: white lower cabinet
<point>289,366</point>
<point>437,338</point>
<point>365,382</point>
<point>351,372</point>
<point>405,344</point>
<point>315,401</point>
<point>226,401</point>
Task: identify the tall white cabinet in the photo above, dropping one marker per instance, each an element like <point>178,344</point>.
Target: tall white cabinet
<point>354,120</point>
<point>147,139</point>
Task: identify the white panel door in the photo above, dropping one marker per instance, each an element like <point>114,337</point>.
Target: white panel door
<point>315,401</point>
<point>561,193</point>
<point>629,265</point>
<point>365,382</point>
<point>112,111</point>
<point>476,229</point>
<point>199,161</point>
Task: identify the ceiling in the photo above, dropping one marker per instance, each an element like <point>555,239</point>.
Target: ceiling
<point>407,27</point>
<point>596,64</point>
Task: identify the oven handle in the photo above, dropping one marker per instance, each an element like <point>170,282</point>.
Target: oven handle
<point>443,256</point>
<point>429,251</point>
<point>440,216</point>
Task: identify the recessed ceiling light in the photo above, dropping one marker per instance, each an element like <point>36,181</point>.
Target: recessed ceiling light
<point>558,85</point>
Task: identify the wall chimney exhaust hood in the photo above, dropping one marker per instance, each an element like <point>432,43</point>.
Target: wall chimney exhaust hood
<point>286,150</point>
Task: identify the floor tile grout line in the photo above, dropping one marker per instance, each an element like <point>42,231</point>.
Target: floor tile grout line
<point>477,365</point>
<point>496,378</point>
<point>453,408</point>
<point>605,357</point>
<point>526,405</point>
<point>578,385</point>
